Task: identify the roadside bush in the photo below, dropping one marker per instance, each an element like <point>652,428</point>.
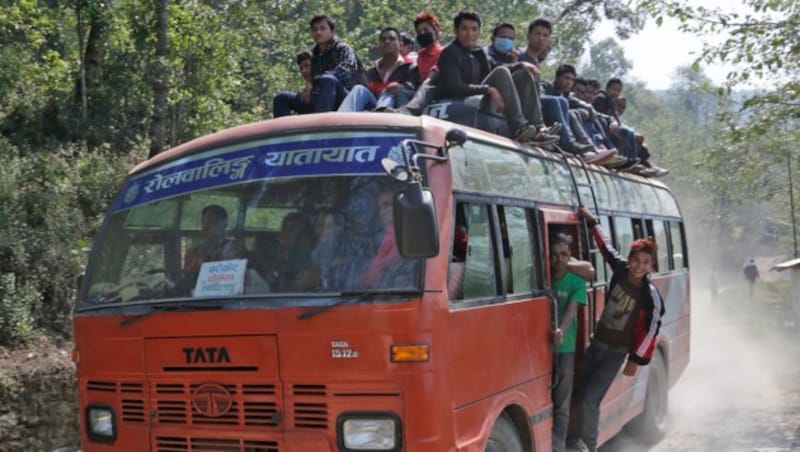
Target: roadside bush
<point>51,204</point>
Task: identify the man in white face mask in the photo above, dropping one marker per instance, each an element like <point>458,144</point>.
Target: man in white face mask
<point>502,49</point>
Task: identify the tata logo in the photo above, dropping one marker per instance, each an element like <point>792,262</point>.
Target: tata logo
<point>206,355</point>
<point>212,400</point>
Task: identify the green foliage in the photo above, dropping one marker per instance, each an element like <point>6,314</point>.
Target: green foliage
<point>759,40</point>
<point>606,60</point>
<point>49,207</point>
<point>17,305</point>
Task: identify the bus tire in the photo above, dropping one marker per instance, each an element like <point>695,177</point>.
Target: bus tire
<point>651,425</point>
<point>504,436</point>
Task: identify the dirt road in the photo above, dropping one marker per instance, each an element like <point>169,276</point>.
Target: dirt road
<point>741,391</point>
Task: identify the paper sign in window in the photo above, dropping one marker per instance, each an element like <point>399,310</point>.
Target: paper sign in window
<point>220,278</point>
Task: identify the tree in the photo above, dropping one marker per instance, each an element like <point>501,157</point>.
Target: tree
<point>160,80</point>
<point>761,43</point>
<point>606,60</point>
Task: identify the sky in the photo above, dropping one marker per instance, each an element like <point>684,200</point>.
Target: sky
<point>657,51</point>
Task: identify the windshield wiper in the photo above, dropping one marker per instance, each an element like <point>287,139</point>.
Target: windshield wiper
<point>359,296</point>
<point>170,308</point>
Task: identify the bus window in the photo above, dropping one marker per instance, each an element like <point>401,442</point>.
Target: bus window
<point>638,228</point>
<point>662,250</point>
<point>624,234</point>
<point>517,250</point>
<point>478,278</point>
<point>676,245</point>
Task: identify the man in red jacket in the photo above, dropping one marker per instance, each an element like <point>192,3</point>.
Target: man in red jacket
<point>626,332</point>
<point>385,79</point>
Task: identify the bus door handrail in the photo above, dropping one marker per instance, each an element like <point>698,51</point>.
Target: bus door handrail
<point>586,234</point>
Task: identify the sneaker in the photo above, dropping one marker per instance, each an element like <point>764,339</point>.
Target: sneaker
<point>580,148</point>
<point>581,446</point>
<point>551,129</point>
<point>526,133</point>
<point>636,168</point>
<point>544,137</point>
<point>599,157</point>
<point>659,172</point>
<point>617,162</point>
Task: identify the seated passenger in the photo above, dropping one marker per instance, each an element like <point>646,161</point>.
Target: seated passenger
<point>622,136</point>
<point>217,245</point>
<point>465,70</point>
<point>335,68</point>
<point>502,48</point>
<point>385,79</point>
<point>387,269</point>
<point>555,109</point>
<point>426,24</point>
<point>407,49</point>
<point>286,102</point>
<point>327,254</point>
<point>580,115</point>
<point>293,269</point>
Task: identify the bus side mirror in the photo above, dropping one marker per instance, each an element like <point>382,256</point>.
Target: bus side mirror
<point>415,228</point>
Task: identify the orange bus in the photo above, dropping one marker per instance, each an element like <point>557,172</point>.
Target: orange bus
<point>353,282</point>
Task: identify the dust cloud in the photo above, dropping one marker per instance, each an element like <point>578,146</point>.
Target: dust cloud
<point>741,390</point>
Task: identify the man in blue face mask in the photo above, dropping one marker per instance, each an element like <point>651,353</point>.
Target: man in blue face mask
<point>502,49</point>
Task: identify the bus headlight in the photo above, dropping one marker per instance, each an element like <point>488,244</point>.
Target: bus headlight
<point>100,423</point>
<point>369,431</point>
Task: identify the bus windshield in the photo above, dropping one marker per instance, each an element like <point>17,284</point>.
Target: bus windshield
<point>305,234</point>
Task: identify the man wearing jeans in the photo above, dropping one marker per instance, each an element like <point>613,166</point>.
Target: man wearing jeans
<point>465,70</point>
<point>286,102</point>
<point>570,291</point>
<point>555,109</point>
<point>386,80</point>
<point>335,68</point>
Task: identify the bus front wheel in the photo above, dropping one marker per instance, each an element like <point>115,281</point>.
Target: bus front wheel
<point>651,425</point>
<point>504,436</point>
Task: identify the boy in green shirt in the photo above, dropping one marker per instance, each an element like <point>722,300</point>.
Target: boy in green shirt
<point>570,291</point>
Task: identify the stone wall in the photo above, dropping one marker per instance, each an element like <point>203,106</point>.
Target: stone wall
<point>38,402</point>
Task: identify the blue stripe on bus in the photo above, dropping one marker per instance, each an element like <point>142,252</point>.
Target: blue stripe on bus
<point>304,155</point>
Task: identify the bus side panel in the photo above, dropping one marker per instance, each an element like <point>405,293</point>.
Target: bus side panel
<point>473,428</point>
<point>483,364</point>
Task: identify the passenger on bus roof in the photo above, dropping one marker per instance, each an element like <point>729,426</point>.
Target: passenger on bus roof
<point>286,102</point>
<point>407,49</point>
<point>502,48</point>
<point>426,25</point>
<point>622,136</point>
<point>555,109</point>
<point>389,81</point>
<point>217,246</point>
<point>581,116</point>
<point>580,101</point>
<point>465,70</point>
<point>335,68</point>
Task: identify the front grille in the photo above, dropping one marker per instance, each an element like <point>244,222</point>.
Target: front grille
<point>185,444</point>
<point>310,406</point>
<point>132,410</point>
<point>250,405</point>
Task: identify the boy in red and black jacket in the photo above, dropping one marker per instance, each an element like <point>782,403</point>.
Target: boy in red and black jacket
<point>628,327</point>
